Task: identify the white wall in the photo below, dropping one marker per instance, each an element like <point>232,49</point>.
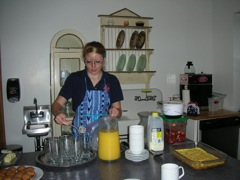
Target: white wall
<point>183,30</point>
<point>226,57</point>
<point>236,60</point>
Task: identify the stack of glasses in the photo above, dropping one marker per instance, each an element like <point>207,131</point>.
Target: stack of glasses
<point>67,150</point>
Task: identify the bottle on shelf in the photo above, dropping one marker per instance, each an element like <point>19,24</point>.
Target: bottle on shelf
<point>110,21</point>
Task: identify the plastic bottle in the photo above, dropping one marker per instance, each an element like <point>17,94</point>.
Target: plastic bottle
<point>189,68</point>
<point>155,133</point>
<point>185,98</point>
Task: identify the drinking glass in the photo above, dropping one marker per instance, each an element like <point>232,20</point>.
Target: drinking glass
<point>67,147</point>
<point>77,148</point>
<point>54,145</point>
<point>87,140</point>
<point>47,148</point>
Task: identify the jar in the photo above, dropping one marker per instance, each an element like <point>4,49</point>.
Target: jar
<point>68,109</point>
<point>189,68</point>
<point>174,129</point>
<point>108,139</point>
<point>63,76</point>
<point>110,21</point>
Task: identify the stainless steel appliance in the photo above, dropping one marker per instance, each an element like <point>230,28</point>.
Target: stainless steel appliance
<point>200,86</point>
<point>223,134</point>
<point>135,101</point>
<point>36,123</point>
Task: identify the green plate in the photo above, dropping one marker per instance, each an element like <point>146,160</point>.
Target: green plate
<point>142,62</point>
<point>131,63</point>
<point>121,62</point>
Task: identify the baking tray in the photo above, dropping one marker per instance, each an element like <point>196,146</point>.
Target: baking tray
<point>40,159</point>
<point>220,157</point>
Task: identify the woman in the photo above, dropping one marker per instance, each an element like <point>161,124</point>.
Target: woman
<point>94,92</point>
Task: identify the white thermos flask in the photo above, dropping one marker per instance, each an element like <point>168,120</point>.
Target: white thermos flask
<point>185,98</point>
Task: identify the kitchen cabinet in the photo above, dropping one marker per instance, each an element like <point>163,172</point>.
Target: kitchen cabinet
<point>127,46</point>
<point>66,55</point>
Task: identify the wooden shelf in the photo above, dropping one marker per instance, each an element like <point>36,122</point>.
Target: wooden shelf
<point>114,16</point>
<point>125,49</point>
<point>126,27</point>
<point>131,72</point>
<point>142,77</point>
<point>111,25</point>
<point>207,115</point>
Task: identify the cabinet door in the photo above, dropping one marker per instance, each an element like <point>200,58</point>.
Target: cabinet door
<point>70,62</point>
<point>192,130</point>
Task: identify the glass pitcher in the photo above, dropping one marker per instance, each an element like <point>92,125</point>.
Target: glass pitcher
<point>108,139</point>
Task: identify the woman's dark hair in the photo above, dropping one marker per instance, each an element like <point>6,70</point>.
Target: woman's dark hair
<point>94,46</point>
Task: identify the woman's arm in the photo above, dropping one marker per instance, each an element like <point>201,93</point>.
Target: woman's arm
<point>60,117</point>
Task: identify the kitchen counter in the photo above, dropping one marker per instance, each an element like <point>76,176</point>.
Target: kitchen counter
<point>123,168</point>
<point>207,115</point>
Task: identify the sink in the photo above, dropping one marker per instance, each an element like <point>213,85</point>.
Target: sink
<point>41,116</point>
<point>36,120</point>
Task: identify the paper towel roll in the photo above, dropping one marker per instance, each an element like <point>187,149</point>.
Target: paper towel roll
<point>185,99</point>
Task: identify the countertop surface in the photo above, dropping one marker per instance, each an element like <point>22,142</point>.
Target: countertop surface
<point>122,168</point>
<point>207,115</point>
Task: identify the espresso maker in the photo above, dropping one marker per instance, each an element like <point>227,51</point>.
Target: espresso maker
<point>200,87</point>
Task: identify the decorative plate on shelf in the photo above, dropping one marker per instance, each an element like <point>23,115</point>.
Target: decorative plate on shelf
<point>120,39</point>
<point>142,62</point>
<point>121,62</point>
<point>131,63</point>
<point>140,40</point>
<point>133,40</point>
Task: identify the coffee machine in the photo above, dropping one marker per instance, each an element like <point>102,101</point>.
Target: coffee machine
<point>200,86</point>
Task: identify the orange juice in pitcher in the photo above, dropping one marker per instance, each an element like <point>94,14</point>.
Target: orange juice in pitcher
<point>108,139</point>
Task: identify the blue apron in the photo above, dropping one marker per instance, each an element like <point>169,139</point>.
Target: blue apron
<point>94,105</point>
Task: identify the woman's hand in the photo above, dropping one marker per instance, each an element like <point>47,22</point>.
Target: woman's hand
<point>61,119</point>
<point>115,112</point>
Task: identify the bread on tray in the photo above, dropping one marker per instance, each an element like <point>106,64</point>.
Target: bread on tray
<point>198,158</point>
